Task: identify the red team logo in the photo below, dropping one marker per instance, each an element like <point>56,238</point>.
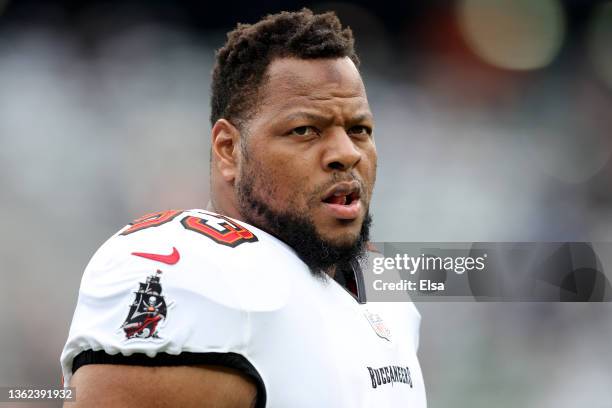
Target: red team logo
<point>148,310</point>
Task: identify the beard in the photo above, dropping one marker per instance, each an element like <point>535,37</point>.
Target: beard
<point>297,229</point>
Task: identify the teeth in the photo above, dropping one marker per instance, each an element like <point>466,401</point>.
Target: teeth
<point>341,197</point>
<point>338,199</point>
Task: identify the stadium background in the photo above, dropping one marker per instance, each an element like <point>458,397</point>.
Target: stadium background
<point>492,123</point>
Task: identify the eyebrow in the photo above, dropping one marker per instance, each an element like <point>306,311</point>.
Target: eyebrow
<point>362,117</point>
<point>320,118</point>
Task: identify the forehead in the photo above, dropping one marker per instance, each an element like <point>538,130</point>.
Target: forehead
<point>291,80</point>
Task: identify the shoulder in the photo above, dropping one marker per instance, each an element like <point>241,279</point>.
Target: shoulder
<point>217,228</point>
<point>178,281</point>
<point>208,254</point>
<point>191,229</point>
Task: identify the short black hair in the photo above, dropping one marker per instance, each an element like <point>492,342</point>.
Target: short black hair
<point>250,48</point>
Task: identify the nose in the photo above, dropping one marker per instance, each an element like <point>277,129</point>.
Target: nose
<point>340,152</point>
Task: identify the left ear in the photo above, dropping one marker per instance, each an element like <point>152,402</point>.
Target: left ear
<point>226,149</point>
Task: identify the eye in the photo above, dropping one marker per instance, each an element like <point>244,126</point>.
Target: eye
<point>304,131</point>
<point>360,131</point>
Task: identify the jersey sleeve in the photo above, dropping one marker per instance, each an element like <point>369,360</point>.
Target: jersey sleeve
<point>159,296</point>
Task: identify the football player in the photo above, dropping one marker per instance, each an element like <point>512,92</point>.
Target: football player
<point>257,300</point>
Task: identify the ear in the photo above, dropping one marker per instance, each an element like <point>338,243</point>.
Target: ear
<point>226,149</point>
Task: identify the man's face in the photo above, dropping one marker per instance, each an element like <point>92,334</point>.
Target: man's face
<point>308,151</point>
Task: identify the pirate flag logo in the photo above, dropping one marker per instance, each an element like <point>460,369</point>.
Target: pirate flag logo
<point>147,312</point>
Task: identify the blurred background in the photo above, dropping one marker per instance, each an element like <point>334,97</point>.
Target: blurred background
<point>493,123</point>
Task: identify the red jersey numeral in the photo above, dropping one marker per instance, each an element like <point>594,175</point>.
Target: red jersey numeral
<point>152,220</point>
<point>220,229</point>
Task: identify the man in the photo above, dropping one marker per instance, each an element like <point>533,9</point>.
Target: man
<point>258,300</point>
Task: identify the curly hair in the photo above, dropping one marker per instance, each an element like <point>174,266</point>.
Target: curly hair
<point>242,62</point>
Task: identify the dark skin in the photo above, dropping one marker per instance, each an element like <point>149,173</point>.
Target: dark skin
<point>311,133</point>
<point>112,385</point>
<point>311,129</point>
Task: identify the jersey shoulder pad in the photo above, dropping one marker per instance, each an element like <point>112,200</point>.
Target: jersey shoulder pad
<point>178,281</point>
<point>217,257</point>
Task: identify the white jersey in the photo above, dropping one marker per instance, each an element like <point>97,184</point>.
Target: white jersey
<point>182,287</point>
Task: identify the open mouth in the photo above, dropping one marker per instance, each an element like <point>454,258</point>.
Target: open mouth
<point>344,194</point>
<point>342,198</point>
<point>343,201</point>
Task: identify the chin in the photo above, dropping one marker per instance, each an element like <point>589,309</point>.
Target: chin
<point>341,238</point>
<point>340,232</point>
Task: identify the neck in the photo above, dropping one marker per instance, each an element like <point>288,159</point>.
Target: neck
<point>221,207</point>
